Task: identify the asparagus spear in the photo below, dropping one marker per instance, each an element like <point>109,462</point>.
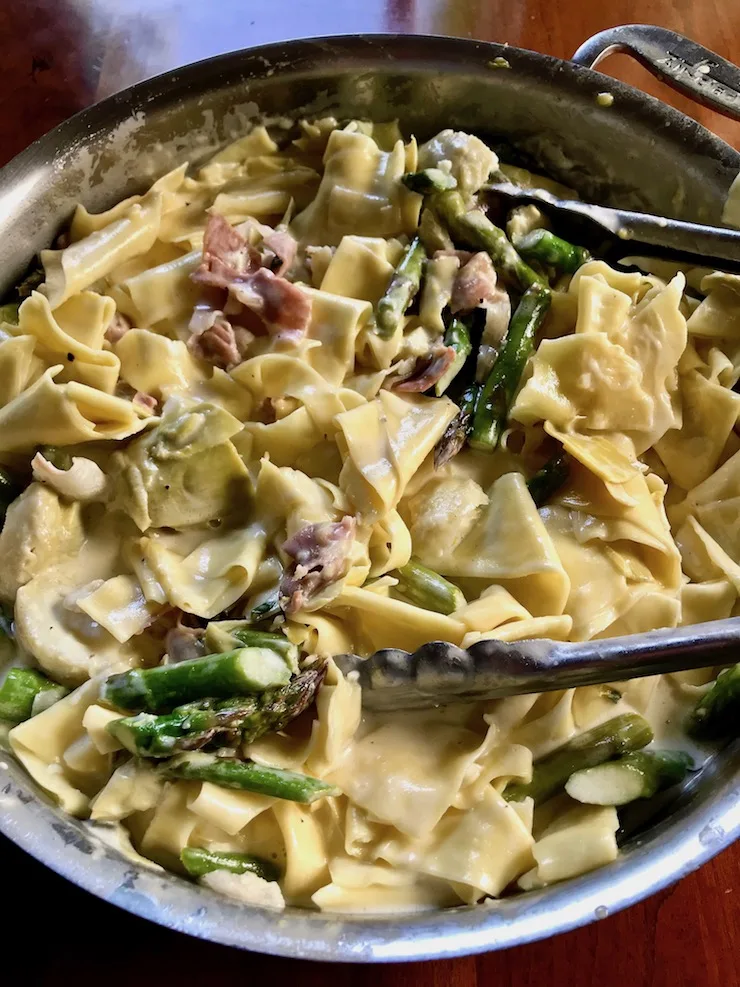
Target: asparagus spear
<point>245,670</point>
<point>402,289</point>
<point>547,481</point>
<point>476,228</point>
<point>429,180</point>
<point>456,433</point>
<point>717,714</point>
<point>501,384</point>
<point>427,589</point>
<point>547,249</point>
<point>230,721</point>
<point>248,776</point>
<point>458,338</point>
<point>620,735</point>
<point>20,690</point>
<point>266,639</point>
<point>198,862</point>
<point>635,776</point>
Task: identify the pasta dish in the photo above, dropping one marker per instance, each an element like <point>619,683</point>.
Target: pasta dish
<point>324,395</point>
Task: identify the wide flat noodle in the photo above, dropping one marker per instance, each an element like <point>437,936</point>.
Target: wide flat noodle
<point>509,545</point>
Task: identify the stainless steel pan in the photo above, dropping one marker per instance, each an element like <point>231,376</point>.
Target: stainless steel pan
<point>638,153</point>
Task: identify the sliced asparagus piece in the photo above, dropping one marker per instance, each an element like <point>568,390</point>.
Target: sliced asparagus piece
<point>427,589</point>
<point>233,673</point>
<point>476,229</point>
<point>717,714</point>
<point>20,690</point>
<point>230,721</point>
<point>402,289</point>
<point>501,384</point>
<point>547,481</point>
<point>456,433</point>
<point>620,735</point>
<point>458,338</point>
<point>547,249</point>
<point>635,776</point>
<point>429,180</point>
<point>266,639</point>
<point>198,862</point>
<point>249,777</point>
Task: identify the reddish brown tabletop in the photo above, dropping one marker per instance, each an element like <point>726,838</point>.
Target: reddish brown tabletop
<point>60,55</point>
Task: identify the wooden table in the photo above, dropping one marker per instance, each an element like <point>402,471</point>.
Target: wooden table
<point>60,55</point>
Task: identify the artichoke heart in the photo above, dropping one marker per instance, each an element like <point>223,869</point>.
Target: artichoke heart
<point>184,471</point>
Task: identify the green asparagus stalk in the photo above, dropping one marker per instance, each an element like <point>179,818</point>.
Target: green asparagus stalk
<point>717,714</point>
<point>9,313</point>
<point>402,289</point>
<point>249,777</point>
<point>458,338</point>
<point>427,589</point>
<point>550,250</point>
<point>502,382</point>
<point>266,639</point>
<point>233,673</point>
<point>547,481</point>
<point>455,435</point>
<point>475,228</point>
<point>620,735</point>
<point>239,720</point>
<point>635,776</point>
<point>429,180</point>
<point>198,862</point>
<point>20,690</point>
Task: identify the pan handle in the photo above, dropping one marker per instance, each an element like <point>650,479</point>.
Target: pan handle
<point>683,64</point>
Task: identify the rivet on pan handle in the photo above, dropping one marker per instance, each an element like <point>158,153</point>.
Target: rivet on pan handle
<point>681,63</point>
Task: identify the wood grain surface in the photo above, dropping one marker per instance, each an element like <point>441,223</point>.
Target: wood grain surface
<point>61,55</point>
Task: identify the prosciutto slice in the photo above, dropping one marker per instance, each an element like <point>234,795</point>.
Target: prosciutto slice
<point>320,556</point>
<point>426,370</point>
<point>231,262</point>
<point>475,284</point>
<point>227,255</point>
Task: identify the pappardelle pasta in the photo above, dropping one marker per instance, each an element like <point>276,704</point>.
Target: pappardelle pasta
<point>309,399</point>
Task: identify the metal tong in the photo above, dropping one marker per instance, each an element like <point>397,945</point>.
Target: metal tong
<point>440,673</point>
<point>708,245</point>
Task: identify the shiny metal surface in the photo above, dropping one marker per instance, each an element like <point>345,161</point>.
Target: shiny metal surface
<point>642,155</point>
<point>673,237</point>
<point>682,63</point>
<point>439,673</point>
